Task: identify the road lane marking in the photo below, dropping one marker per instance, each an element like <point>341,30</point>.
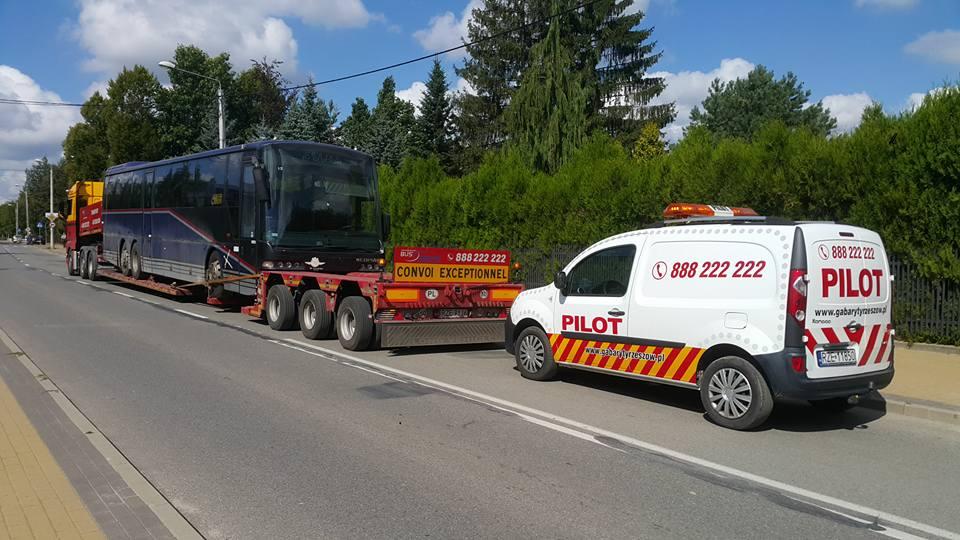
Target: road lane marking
<point>123,294</point>
<point>564,425</point>
<point>80,282</point>
<point>192,314</point>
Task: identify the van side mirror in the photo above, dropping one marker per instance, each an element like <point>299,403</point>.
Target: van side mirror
<point>261,185</point>
<point>386,225</point>
<point>560,281</point>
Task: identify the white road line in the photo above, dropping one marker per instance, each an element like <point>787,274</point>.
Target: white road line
<point>123,294</point>
<point>564,425</point>
<point>81,282</point>
<point>190,313</point>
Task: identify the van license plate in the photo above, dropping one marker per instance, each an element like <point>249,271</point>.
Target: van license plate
<point>836,357</point>
<point>453,313</point>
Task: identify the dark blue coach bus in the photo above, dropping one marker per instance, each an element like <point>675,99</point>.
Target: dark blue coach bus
<point>230,212</point>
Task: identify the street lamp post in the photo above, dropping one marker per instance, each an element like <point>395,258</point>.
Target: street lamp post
<point>168,65</point>
<point>16,221</point>
<point>50,232</point>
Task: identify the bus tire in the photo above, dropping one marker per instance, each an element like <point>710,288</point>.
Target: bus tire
<point>125,259</point>
<point>315,320</point>
<point>281,309</point>
<point>136,264</point>
<point>355,323</point>
<point>92,264</point>
<point>534,355</point>
<point>82,261</point>
<point>735,394</point>
<point>213,271</point>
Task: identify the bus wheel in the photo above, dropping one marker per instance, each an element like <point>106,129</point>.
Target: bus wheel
<point>125,260</point>
<point>82,260</point>
<point>735,394</point>
<point>136,264</point>
<point>315,320</point>
<point>355,323</point>
<point>214,272</point>
<point>281,309</point>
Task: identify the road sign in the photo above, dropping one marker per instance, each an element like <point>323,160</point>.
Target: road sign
<point>52,215</point>
<point>39,224</point>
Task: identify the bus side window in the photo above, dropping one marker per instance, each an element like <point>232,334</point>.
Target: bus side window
<point>231,192</point>
<point>248,203</point>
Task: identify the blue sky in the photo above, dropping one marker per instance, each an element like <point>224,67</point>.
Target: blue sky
<point>848,52</point>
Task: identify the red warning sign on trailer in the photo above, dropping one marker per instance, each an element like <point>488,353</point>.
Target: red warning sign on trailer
<point>445,265</point>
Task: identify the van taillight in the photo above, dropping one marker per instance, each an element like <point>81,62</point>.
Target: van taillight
<point>797,296</point>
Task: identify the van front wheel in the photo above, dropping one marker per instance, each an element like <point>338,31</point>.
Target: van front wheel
<point>534,355</point>
<point>735,394</point>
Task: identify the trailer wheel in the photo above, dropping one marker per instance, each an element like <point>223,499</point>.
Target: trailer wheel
<point>735,394</point>
<point>315,320</point>
<point>125,260</point>
<point>82,260</point>
<point>281,309</point>
<point>92,264</point>
<point>355,323</point>
<point>136,264</point>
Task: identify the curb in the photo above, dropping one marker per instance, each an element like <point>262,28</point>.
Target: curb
<point>929,347</point>
<point>927,410</point>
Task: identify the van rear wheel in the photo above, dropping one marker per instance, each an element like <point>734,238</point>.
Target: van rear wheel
<point>534,355</point>
<point>735,394</point>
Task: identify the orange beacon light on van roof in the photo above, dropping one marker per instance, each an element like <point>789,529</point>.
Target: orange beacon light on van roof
<point>685,210</point>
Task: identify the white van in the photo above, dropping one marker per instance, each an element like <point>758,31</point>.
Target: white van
<point>745,308</point>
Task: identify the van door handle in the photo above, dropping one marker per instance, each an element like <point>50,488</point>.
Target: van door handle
<point>615,312</point>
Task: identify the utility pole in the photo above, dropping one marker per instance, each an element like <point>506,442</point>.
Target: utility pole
<point>52,222</point>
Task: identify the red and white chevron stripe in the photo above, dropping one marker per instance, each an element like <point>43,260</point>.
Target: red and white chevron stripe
<point>874,341</point>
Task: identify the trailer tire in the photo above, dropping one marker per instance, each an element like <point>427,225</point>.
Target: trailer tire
<point>281,308</point>
<point>136,264</point>
<point>315,320</point>
<point>92,264</point>
<point>82,261</point>
<point>355,323</point>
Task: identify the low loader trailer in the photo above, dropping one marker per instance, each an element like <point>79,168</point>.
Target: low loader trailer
<point>292,232</point>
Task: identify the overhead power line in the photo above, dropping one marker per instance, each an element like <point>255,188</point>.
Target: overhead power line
<point>445,51</point>
<point>10,101</point>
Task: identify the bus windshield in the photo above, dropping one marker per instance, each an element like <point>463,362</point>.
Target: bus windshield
<point>322,198</point>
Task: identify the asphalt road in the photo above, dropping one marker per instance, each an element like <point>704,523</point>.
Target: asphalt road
<point>258,434</point>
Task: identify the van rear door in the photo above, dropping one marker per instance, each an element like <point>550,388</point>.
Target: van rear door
<point>848,329</point>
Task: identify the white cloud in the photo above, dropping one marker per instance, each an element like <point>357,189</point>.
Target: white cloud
<point>413,94</point>
<point>915,99</point>
<point>119,33</point>
<point>943,46</point>
<point>446,30</point>
<point>887,4</point>
<point>689,88</point>
<point>463,86</point>
<point>637,5</point>
<point>847,109</point>
<point>94,87</point>
<point>28,131</point>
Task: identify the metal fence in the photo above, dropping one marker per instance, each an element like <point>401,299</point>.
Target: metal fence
<point>923,309</point>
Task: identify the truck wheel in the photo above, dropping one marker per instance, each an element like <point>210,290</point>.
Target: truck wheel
<point>833,405</point>
<point>214,271</point>
<point>71,267</point>
<point>92,264</point>
<point>315,320</point>
<point>82,260</point>
<point>281,309</point>
<point>136,264</point>
<point>125,260</point>
<point>534,355</point>
<point>735,394</point>
<point>355,323</point>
